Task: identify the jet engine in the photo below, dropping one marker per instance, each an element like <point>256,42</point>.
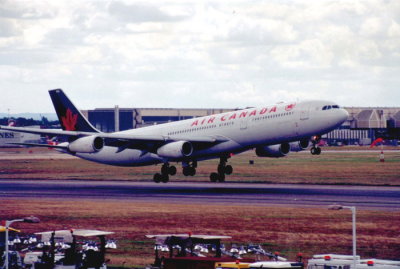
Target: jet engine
<point>87,144</point>
<point>299,145</point>
<point>275,151</point>
<point>178,149</point>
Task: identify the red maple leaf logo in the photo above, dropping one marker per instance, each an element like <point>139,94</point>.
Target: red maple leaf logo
<point>69,121</point>
<point>290,107</point>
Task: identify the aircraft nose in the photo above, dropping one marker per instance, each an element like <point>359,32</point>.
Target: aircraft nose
<point>343,114</point>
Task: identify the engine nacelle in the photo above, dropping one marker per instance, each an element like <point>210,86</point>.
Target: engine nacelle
<point>176,150</point>
<point>87,144</point>
<point>275,151</point>
<point>299,145</point>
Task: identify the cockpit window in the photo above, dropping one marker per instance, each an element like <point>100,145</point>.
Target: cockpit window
<point>326,107</point>
<point>330,107</point>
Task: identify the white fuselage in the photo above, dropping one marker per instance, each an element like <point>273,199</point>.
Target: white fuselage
<point>242,130</point>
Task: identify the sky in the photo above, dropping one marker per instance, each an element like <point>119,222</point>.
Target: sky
<point>198,54</point>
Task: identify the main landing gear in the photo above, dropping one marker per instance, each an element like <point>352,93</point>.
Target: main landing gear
<point>166,171</point>
<point>315,150</point>
<point>189,169</point>
<point>222,169</point>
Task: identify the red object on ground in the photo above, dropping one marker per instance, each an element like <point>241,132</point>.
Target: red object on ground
<point>378,140</point>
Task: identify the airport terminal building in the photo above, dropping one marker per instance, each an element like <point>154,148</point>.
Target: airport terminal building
<point>363,125</point>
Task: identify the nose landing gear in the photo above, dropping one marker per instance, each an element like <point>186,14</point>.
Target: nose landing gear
<point>315,149</point>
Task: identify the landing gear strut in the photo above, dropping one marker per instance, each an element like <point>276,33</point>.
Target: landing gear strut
<point>315,150</point>
<point>222,169</point>
<point>189,169</point>
<point>166,171</point>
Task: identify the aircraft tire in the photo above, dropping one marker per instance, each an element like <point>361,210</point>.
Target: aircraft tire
<point>312,150</point>
<point>214,177</point>
<point>186,171</point>
<point>172,170</point>
<point>157,178</point>
<point>315,151</point>
<point>228,169</point>
<point>165,169</point>
<point>164,178</point>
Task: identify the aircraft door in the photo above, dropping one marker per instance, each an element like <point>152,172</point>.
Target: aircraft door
<point>302,124</point>
<point>305,112</point>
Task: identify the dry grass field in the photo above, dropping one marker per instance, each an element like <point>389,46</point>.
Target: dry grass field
<point>331,167</point>
<point>287,230</point>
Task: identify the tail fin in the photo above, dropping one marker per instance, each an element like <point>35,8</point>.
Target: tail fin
<point>71,119</point>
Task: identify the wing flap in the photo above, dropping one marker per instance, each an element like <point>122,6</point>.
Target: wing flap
<point>161,138</point>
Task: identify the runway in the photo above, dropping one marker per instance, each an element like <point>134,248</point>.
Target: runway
<point>376,198</point>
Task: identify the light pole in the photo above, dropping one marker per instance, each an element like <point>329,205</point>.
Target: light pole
<point>30,219</point>
<point>353,211</point>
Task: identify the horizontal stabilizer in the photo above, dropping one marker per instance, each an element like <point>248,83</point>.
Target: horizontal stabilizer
<point>40,145</point>
<point>45,131</point>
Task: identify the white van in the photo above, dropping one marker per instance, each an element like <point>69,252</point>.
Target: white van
<point>335,261</point>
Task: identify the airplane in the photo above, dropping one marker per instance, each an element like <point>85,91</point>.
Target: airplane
<point>273,131</point>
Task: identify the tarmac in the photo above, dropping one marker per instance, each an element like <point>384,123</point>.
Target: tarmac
<point>286,195</point>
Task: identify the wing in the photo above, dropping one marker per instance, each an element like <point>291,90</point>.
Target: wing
<point>123,141</point>
<point>152,142</point>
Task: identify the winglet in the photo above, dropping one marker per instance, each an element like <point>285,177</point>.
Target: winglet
<point>71,119</point>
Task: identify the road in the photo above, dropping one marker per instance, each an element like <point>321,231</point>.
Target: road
<point>377,198</point>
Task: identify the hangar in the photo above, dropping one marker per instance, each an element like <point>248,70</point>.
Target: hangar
<point>363,125</point>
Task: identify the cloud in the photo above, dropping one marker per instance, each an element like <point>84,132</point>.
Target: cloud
<point>199,54</point>
<point>139,13</point>
<point>8,28</point>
